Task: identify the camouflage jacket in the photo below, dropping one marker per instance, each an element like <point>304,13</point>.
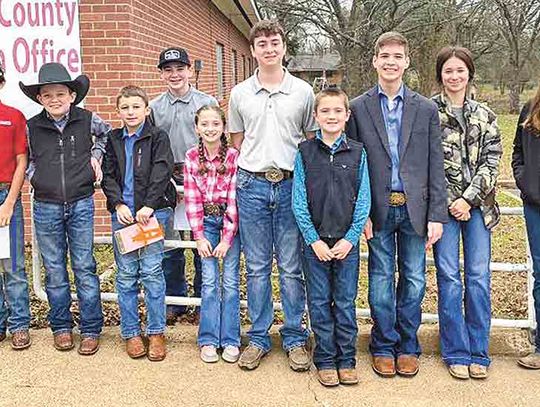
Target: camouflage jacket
<point>477,152</point>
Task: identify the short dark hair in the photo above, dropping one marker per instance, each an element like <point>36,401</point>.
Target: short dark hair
<point>266,28</point>
<point>132,91</point>
<point>459,52</point>
<point>331,91</point>
<point>391,37</point>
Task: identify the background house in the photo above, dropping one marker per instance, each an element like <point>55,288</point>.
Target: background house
<point>315,68</point>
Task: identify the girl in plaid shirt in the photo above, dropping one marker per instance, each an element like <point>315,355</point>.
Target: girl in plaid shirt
<point>210,197</point>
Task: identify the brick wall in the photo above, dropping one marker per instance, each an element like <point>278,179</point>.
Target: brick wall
<point>120,45</point>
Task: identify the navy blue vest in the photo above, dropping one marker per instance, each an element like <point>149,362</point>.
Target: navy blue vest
<point>332,185</point>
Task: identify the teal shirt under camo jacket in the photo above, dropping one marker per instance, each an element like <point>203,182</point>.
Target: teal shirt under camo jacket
<point>471,157</point>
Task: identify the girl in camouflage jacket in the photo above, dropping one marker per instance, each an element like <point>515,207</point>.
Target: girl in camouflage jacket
<point>472,151</point>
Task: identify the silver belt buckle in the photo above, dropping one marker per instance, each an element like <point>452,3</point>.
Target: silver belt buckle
<point>274,175</point>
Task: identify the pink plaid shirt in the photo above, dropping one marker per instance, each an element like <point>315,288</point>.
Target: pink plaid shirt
<point>211,188</point>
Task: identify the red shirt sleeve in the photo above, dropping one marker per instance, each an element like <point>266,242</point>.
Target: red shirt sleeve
<point>20,145</point>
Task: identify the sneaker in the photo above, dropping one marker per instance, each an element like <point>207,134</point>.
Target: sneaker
<point>477,371</point>
<point>328,377</point>
<point>459,371</point>
<point>20,340</point>
<point>251,358</point>
<point>531,361</point>
<point>230,354</point>
<point>299,359</point>
<point>209,354</point>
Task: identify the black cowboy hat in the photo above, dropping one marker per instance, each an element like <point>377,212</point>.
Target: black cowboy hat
<point>56,74</point>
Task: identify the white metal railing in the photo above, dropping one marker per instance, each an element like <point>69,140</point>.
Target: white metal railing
<point>530,322</point>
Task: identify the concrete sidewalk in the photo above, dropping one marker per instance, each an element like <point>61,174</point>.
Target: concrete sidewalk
<point>42,376</point>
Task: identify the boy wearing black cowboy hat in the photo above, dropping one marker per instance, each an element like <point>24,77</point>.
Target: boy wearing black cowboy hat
<point>64,164</point>
<point>14,300</point>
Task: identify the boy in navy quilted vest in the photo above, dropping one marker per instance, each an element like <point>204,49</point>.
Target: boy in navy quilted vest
<point>331,203</point>
<point>64,164</point>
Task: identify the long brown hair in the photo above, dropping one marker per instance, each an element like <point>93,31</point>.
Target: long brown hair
<point>203,165</point>
<point>532,122</point>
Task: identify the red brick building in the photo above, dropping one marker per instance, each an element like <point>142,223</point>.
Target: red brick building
<point>121,41</point>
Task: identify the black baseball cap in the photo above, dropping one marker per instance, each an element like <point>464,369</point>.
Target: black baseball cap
<point>173,54</point>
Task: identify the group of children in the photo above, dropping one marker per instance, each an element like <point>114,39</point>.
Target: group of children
<point>70,148</point>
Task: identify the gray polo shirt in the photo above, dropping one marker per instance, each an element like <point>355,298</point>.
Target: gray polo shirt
<point>273,123</point>
<point>176,115</point>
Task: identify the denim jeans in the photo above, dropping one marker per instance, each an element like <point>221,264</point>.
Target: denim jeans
<point>331,293</point>
<point>174,264</point>
<point>464,334</point>
<point>144,266</point>
<point>59,228</point>
<point>220,303</point>
<point>14,299</point>
<point>266,224</point>
<point>396,312</point>
<point>532,220</point>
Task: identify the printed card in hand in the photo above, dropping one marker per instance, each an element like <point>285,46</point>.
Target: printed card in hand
<point>4,243</point>
<point>136,236</point>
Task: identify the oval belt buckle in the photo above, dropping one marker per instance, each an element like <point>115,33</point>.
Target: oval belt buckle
<point>274,175</point>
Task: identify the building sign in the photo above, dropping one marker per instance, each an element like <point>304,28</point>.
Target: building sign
<point>33,33</point>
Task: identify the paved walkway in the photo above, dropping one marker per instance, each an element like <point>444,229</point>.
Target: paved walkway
<point>42,376</point>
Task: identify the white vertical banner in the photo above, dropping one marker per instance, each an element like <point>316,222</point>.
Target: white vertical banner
<point>35,32</point>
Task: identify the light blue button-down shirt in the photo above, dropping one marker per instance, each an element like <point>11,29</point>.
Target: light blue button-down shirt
<point>392,111</point>
<point>128,192</point>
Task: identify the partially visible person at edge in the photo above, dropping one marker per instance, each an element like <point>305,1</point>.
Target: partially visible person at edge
<point>210,194</point>
<point>65,161</point>
<point>472,151</point>
<point>174,111</point>
<point>269,114</point>
<point>526,167</point>
<point>137,169</point>
<point>331,202</point>
<point>400,132</point>
<point>14,299</point>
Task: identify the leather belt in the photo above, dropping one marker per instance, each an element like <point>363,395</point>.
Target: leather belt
<point>212,209</point>
<point>397,198</point>
<point>274,175</point>
<point>4,185</point>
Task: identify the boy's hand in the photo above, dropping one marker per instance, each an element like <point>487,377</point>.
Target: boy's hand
<point>322,251</point>
<point>434,233</point>
<point>123,214</point>
<point>6,212</point>
<point>96,166</point>
<point>221,250</point>
<point>368,229</point>
<point>204,248</point>
<point>341,249</point>
<point>143,215</point>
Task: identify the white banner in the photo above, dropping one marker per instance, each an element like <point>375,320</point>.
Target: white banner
<point>33,33</point>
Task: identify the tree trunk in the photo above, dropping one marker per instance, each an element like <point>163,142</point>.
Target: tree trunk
<point>513,94</point>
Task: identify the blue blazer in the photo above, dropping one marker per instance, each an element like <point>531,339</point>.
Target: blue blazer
<point>420,158</point>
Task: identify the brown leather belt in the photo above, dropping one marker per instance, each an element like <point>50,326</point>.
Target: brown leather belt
<point>274,174</point>
<point>397,198</point>
<point>4,185</point>
<point>212,209</point>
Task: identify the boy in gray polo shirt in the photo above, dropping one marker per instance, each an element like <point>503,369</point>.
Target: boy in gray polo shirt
<point>269,114</point>
<point>174,112</point>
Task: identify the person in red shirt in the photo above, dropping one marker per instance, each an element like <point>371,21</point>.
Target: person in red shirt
<point>14,298</point>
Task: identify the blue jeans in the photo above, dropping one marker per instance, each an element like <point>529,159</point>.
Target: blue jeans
<point>60,227</point>
<point>174,264</point>
<point>464,334</point>
<point>532,220</point>
<point>220,305</point>
<point>14,300</point>
<point>331,293</point>
<point>266,224</point>
<point>396,312</point>
<point>142,265</point>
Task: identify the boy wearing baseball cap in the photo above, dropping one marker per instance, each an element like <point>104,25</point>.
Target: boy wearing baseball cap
<point>174,111</point>
<point>14,300</point>
<point>64,163</point>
